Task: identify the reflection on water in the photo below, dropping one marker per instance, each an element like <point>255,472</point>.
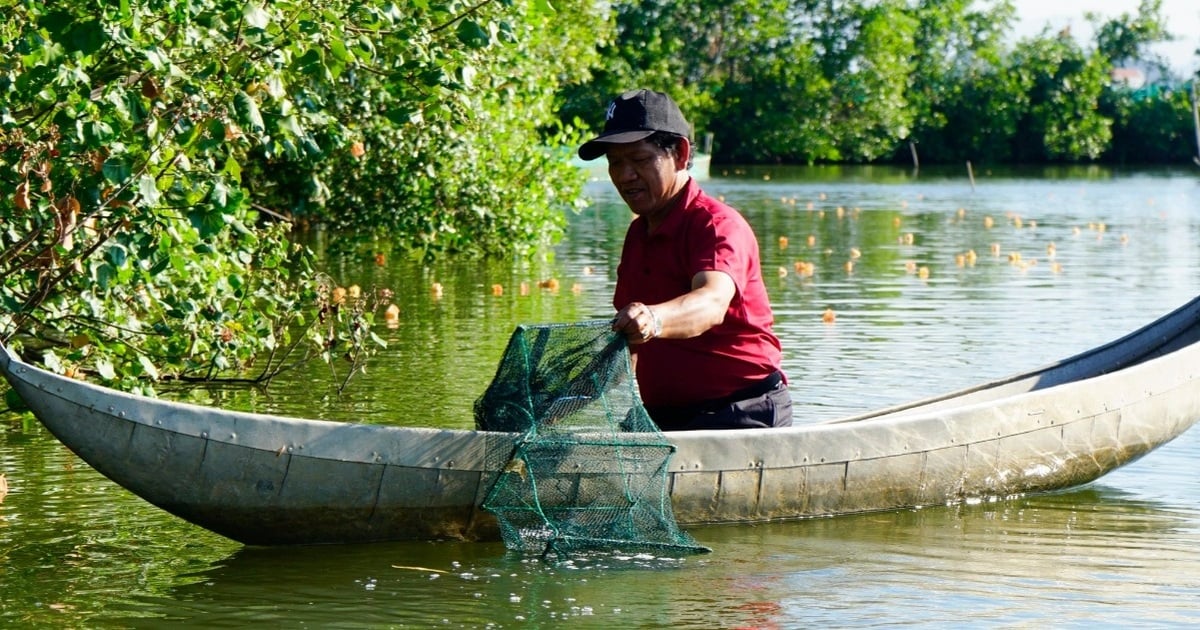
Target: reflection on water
<point>1066,261</point>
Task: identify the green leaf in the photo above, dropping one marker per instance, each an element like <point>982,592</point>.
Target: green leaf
<point>247,112</point>
<point>158,59</point>
<point>208,221</point>
<point>310,146</point>
<point>13,400</point>
<point>310,63</point>
<point>52,362</point>
<point>404,115</point>
<point>86,37</point>
<point>472,34</point>
<point>116,170</point>
<point>234,169</point>
<point>160,265</point>
<point>220,194</point>
<point>105,275</point>
<point>97,134</point>
<point>544,7</point>
<point>340,52</point>
<point>116,255</point>
<point>188,132</point>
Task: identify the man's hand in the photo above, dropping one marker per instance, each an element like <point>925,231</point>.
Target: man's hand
<point>638,322</point>
<point>688,315</point>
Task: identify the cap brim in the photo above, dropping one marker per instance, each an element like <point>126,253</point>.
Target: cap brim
<point>595,148</point>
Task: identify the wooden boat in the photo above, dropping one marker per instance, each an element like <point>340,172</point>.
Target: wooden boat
<point>272,480</point>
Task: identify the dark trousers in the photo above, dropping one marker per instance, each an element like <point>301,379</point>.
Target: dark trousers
<point>763,405</point>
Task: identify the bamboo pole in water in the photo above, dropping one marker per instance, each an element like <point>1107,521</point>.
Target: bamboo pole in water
<point>1196,121</point>
<point>971,175</point>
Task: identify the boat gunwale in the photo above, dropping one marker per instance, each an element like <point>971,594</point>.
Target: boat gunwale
<point>1178,320</point>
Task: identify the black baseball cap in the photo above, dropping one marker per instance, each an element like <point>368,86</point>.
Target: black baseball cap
<point>633,116</point>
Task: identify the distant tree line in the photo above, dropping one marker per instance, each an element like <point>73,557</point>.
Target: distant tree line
<point>807,81</point>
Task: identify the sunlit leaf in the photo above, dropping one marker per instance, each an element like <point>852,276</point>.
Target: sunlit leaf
<point>105,369</point>
<point>52,362</point>
<point>256,17</point>
<point>98,133</point>
<point>148,189</point>
<point>338,48</point>
<point>233,168</point>
<point>148,366</point>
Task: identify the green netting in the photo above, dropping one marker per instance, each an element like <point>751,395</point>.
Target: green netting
<point>591,470</point>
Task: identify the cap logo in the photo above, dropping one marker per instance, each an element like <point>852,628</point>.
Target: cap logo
<point>612,109</point>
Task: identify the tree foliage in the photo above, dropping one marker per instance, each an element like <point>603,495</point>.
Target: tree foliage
<point>144,147</point>
<point>866,80</point>
<point>449,126</point>
<point>1124,39</point>
<point>1062,84</point>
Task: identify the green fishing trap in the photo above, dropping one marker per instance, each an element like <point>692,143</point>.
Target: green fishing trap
<point>591,470</point>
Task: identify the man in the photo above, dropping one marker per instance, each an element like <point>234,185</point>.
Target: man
<point>690,294</point>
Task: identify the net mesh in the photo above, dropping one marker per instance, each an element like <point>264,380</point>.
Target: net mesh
<point>591,470</point>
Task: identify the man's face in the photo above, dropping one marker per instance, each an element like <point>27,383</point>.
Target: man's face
<point>644,175</point>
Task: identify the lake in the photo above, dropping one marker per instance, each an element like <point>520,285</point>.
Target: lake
<point>934,282</point>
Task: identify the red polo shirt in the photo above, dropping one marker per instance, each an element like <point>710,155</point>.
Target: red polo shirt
<point>699,234</point>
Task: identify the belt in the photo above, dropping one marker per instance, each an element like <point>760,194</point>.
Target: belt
<point>670,417</point>
<point>774,380</point>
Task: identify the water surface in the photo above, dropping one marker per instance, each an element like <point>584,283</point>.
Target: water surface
<point>1068,259</point>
